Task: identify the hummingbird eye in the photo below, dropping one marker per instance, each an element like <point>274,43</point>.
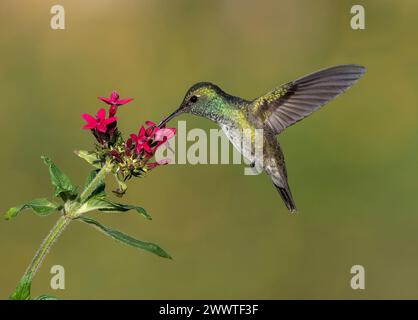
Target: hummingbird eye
<point>193,99</point>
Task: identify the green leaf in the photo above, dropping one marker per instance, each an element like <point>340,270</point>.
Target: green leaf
<point>126,239</point>
<point>22,291</point>
<point>119,207</point>
<point>90,157</point>
<point>42,207</point>
<point>104,205</point>
<point>45,297</point>
<point>63,186</point>
<point>100,189</point>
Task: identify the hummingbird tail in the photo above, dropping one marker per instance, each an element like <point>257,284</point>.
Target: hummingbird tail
<point>286,195</point>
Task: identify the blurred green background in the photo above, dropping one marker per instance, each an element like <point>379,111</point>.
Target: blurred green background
<point>352,166</point>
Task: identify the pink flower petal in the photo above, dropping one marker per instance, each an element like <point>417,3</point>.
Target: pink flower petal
<point>168,133</point>
<point>89,126</point>
<point>150,123</point>
<point>107,100</point>
<point>124,101</point>
<point>138,148</point>
<point>151,131</point>
<point>160,142</point>
<point>114,96</point>
<point>110,120</point>
<point>101,114</point>
<point>147,148</point>
<point>102,127</point>
<point>89,118</point>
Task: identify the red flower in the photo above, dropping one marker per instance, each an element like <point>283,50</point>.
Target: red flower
<point>150,139</point>
<point>141,141</point>
<point>164,134</point>
<point>99,122</point>
<point>114,102</point>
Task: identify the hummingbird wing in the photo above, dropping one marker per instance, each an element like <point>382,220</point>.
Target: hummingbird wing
<point>293,101</point>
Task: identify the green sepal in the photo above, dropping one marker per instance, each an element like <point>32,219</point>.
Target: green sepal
<point>63,186</point>
<point>126,239</point>
<point>104,205</point>
<point>100,189</point>
<point>42,207</point>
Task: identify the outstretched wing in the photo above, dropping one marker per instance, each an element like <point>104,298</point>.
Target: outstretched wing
<point>293,101</point>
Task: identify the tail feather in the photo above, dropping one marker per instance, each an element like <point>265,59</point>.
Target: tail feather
<point>286,195</point>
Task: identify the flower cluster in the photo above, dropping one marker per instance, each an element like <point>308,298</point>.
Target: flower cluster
<point>132,157</point>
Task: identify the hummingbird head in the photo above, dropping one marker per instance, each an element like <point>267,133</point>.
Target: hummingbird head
<point>201,99</point>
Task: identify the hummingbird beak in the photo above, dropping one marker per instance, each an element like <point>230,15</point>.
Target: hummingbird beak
<point>171,116</point>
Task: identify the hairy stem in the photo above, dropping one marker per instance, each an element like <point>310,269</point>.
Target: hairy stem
<point>63,222</point>
<point>95,182</point>
<point>43,250</point>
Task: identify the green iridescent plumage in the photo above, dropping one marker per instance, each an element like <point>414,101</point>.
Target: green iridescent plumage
<point>272,112</point>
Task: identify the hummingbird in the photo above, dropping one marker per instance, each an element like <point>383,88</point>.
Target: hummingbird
<point>272,112</point>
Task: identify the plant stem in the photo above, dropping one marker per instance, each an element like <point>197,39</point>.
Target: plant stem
<point>43,250</point>
<point>95,182</point>
<point>63,222</point>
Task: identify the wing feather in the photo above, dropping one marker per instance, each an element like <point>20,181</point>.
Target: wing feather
<point>294,101</point>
